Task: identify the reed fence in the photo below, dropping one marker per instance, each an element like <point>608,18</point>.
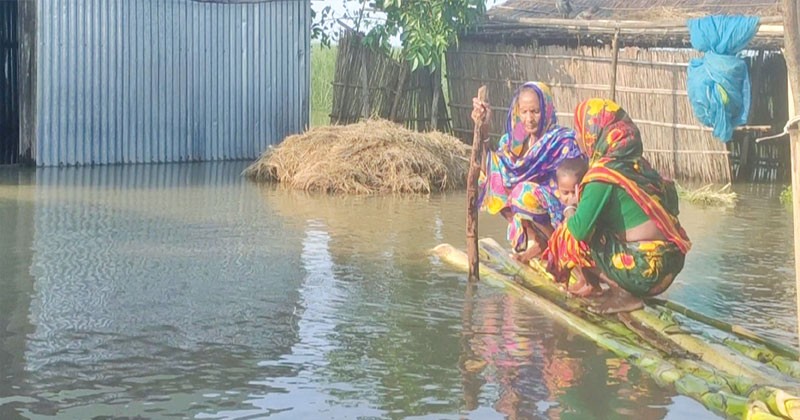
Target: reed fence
<point>649,83</point>
<point>369,83</point>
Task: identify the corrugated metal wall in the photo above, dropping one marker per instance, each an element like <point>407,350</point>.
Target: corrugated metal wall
<point>128,81</point>
<point>9,88</point>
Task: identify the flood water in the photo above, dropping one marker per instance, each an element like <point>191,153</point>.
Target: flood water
<point>185,291</point>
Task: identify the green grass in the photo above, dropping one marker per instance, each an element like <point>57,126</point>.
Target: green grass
<point>323,67</point>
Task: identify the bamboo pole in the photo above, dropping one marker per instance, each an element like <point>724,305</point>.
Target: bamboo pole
<point>736,330</point>
<point>712,356</point>
<point>646,122</point>
<point>573,58</point>
<point>436,80</point>
<point>472,195</point>
<point>614,58</point>
<point>711,388</point>
<point>365,111</point>
<point>399,91</point>
<point>791,24</point>
<point>640,27</point>
<point>789,367</point>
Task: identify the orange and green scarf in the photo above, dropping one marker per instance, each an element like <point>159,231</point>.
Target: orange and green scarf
<point>614,146</point>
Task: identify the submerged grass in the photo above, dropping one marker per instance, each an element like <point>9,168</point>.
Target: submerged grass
<point>709,195</point>
<point>373,156</point>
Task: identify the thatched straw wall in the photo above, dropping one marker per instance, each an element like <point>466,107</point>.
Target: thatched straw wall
<point>393,91</point>
<point>635,9</point>
<point>651,86</point>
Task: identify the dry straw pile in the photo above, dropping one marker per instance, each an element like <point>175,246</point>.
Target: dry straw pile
<point>374,156</point>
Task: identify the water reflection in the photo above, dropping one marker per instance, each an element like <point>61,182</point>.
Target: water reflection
<point>160,290</point>
<point>741,268</point>
<point>534,369</point>
<point>145,285</point>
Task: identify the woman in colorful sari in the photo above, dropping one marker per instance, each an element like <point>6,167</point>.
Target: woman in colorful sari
<point>518,179</point>
<point>624,230</point>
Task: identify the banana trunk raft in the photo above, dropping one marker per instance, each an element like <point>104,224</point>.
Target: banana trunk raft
<point>741,375</point>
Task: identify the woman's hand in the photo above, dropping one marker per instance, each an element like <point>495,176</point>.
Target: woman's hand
<point>481,112</point>
<point>571,204</point>
<point>572,200</point>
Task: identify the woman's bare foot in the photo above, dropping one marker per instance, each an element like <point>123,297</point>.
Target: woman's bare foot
<point>586,284</point>
<point>614,301</point>
<point>527,255</point>
<point>585,290</point>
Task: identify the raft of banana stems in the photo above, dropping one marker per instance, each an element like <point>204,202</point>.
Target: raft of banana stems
<point>741,375</point>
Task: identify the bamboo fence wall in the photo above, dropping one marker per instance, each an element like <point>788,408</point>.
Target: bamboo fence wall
<point>650,85</point>
<point>392,91</point>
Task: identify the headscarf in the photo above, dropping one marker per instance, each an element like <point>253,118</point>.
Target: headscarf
<point>555,143</point>
<point>539,162</point>
<point>614,146</point>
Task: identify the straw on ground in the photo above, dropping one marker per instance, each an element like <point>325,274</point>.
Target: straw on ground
<point>374,156</point>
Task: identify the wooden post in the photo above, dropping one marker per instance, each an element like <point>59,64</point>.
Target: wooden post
<point>614,58</point>
<point>365,111</point>
<point>436,80</point>
<point>791,37</point>
<point>468,358</point>
<point>400,91</point>
<point>472,196</point>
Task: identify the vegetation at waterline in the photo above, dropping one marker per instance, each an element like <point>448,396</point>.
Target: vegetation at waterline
<point>786,195</point>
<point>708,195</point>
<point>373,156</point>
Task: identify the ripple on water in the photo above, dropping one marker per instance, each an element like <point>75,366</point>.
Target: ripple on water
<point>192,292</point>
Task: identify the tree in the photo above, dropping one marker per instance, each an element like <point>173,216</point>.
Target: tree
<point>426,27</point>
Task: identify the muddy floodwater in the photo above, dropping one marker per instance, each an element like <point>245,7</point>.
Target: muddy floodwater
<point>185,291</point>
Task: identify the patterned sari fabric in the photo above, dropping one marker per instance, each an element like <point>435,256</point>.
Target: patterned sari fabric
<point>525,182</point>
<point>615,152</point>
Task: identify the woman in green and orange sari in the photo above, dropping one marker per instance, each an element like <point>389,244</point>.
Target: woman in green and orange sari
<point>622,228</point>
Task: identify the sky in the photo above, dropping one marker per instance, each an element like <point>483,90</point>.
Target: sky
<point>344,8</point>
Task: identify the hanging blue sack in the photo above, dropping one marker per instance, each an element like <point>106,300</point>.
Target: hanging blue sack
<point>718,83</point>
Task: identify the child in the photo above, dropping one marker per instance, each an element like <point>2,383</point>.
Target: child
<point>568,176</point>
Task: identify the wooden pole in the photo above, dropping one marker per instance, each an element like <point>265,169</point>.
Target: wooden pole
<point>400,91</point>
<point>472,196</point>
<point>614,58</point>
<point>436,80</point>
<point>791,39</point>
<point>365,111</point>
<point>468,359</point>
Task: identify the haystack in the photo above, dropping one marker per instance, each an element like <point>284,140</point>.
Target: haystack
<point>374,156</point>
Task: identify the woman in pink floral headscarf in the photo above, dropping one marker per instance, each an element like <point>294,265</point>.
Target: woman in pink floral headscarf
<point>518,177</point>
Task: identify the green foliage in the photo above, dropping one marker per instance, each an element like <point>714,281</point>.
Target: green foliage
<point>323,67</point>
<point>321,28</point>
<point>427,27</point>
<point>786,195</point>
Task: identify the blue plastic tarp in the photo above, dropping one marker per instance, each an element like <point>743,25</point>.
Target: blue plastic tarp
<point>718,83</point>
